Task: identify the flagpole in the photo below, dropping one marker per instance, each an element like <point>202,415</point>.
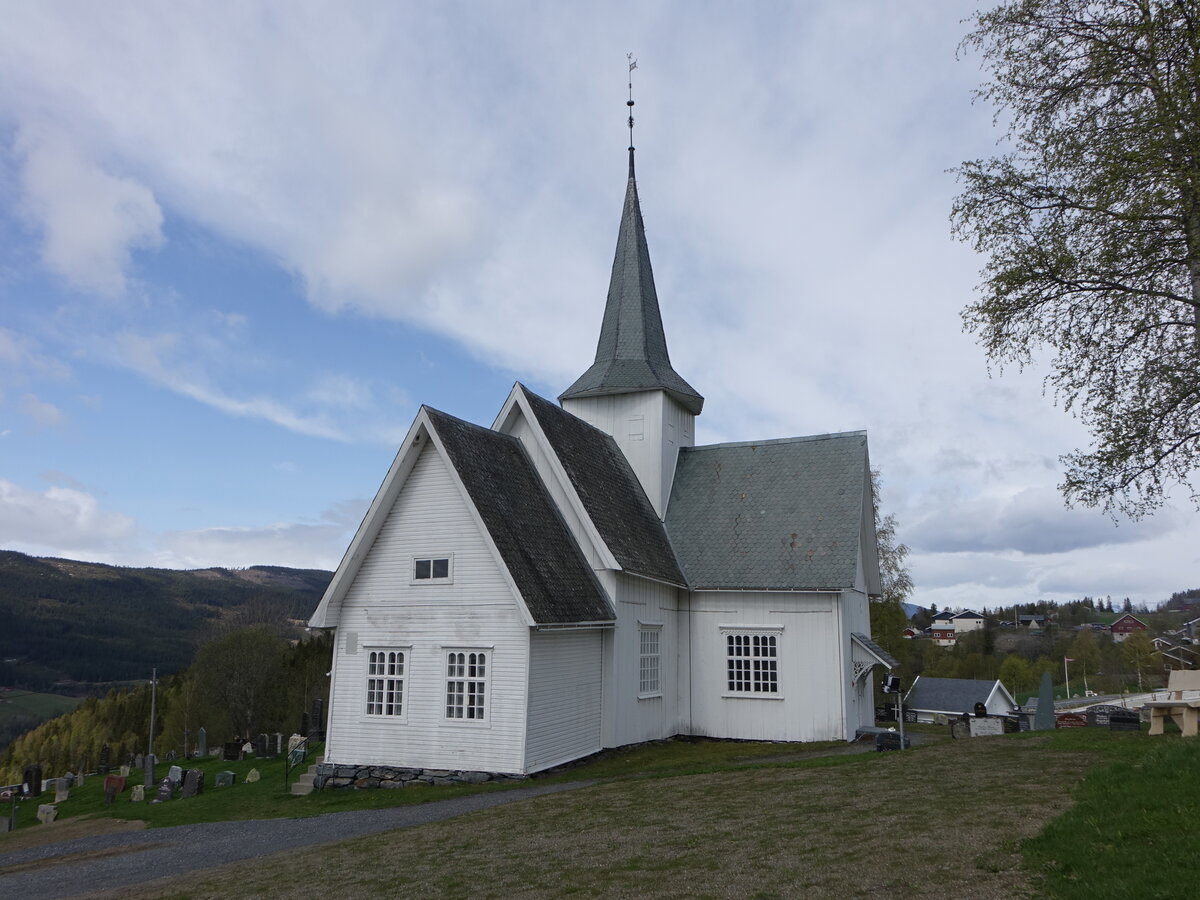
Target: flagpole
<point>1067,676</point>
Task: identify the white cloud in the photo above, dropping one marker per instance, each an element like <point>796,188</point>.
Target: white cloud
<point>40,411</point>
<point>60,520</point>
<point>91,221</point>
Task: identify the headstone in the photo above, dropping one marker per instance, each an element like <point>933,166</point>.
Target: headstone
<point>124,770</point>
<point>1124,720</point>
<point>890,740</point>
<point>940,719</point>
<point>166,791</point>
<point>1101,714</point>
<point>116,782</point>
<point>171,756</point>
<point>225,779</point>
<point>277,749</point>
<point>46,813</point>
<point>175,775</point>
<point>202,742</point>
<point>985,727</point>
<point>318,719</point>
<point>1070,720</point>
<point>295,741</point>
<point>233,751</point>
<point>79,780</point>
<point>193,782</point>
<point>139,762</point>
<point>62,789</point>
<point>105,760</point>
<point>137,793</point>
<point>260,747</point>
<point>32,779</point>
<point>110,794</point>
<point>252,776</point>
<point>1044,719</point>
<point>247,748</point>
<point>148,762</point>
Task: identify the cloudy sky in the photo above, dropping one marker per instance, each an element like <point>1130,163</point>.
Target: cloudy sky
<point>240,243</point>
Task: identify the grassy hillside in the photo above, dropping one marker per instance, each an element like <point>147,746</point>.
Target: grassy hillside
<point>65,621</point>
<point>22,710</point>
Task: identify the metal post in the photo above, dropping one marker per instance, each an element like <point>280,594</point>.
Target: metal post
<point>153,692</point>
<point>900,706</point>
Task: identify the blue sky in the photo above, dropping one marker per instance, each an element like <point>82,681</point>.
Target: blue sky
<point>241,243</point>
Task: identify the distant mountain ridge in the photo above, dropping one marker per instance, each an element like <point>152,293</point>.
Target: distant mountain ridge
<point>63,620</point>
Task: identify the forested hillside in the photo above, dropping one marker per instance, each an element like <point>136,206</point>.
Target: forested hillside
<point>64,622</point>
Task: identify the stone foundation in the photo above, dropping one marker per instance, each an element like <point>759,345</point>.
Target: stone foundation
<point>330,775</point>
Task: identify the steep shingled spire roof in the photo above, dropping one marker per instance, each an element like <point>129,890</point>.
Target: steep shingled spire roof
<point>632,353</point>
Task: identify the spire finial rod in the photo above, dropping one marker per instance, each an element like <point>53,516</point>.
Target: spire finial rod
<point>632,66</point>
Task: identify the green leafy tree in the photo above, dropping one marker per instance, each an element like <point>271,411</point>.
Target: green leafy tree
<point>1016,674</point>
<point>241,679</point>
<point>1090,225</point>
<point>1138,651</point>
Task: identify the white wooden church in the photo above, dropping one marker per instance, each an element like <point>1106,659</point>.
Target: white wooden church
<point>582,576</point>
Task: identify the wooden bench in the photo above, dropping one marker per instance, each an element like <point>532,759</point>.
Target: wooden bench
<point>1183,711</point>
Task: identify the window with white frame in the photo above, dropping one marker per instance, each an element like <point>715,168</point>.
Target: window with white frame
<point>432,568</point>
<point>649,666</point>
<point>385,683</point>
<point>752,663</point>
<point>466,685</point>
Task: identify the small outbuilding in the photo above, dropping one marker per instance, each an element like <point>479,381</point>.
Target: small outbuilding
<point>930,697</point>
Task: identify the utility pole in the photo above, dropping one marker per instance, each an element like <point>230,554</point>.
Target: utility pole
<point>153,692</point>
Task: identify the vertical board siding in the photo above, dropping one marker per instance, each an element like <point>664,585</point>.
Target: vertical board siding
<point>632,719</point>
<point>565,685</point>
<point>810,667</point>
<point>478,610</point>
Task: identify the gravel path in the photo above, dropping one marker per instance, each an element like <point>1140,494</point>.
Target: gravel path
<point>112,861</point>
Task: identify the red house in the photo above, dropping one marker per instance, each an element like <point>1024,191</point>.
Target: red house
<point>1125,626</point>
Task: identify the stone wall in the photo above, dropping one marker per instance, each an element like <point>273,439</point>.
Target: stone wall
<point>330,775</point>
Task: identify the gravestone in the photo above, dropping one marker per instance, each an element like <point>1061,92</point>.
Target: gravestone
<point>46,813</point>
<point>116,782</point>
<point>79,780</point>
<point>137,793</point>
<point>171,756</point>
<point>986,727</point>
<point>69,780</point>
<point>202,742</point>
<point>124,770</point>
<point>225,779</point>
<point>62,790</point>
<point>318,720</point>
<point>960,730</point>
<point>32,779</point>
<point>175,775</point>
<point>247,748</point>
<point>1044,719</point>
<point>252,776</point>
<point>139,762</point>
<point>940,719</point>
<point>1101,714</point>
<point>166,791</point>
<point>890,740</point>
<point>110,794</point>
<point>277,749</point>
<point>233,751</point>
<point>1124,720</point>
<point>295,741</point>
<point>148,762</point>
<point>193,782</point>
<point>105,760</point>
<point>1070,720</point>
<point>260,747</point>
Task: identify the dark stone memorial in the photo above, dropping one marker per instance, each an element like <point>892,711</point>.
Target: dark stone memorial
<point>171,756</point>
<point>890,740</point>
<point>193,783</point>
<point>261,746</point>
<point>1043,719</point>
<point>225,779</point>
<point>105,760</point>
<point>1125,720</point>
<point>147,765</point>
<point>233,751</point>
<point>1070,720</point>
<point>166,790</point>
<point>32,779</point>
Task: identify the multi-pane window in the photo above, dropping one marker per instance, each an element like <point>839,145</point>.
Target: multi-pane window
<point>648,654</point>
<point>466,684</point>
<point>435,568</point>
<point>385,683</point>
<point>752,664</point>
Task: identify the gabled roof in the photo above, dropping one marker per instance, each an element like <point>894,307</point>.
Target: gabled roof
<point>1129,616</point>
<point>610,492</point>
<point>632,353</point>
<point>772,515</point>
<point>864,640</point>
<point>945,616</point>
<point>953,695</point>
<point>542,561</point>
<point>967,614</point>
<point>555,581</point>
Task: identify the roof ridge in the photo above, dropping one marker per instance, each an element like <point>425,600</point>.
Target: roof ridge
<point>788,440</point>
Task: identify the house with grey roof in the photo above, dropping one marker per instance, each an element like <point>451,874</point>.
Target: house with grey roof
<point>929,697</point>
<point>581,575</point>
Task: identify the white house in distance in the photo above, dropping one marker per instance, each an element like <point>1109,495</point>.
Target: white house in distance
<point>583,576</point>
<point>929,697</point>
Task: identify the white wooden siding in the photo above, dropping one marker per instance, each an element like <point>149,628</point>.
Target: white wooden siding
<point>566,676</point>
<point>812,677</point>
<point>383,608</point>
<point>629,718</point>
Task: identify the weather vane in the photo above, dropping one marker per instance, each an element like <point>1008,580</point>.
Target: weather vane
<point>632,66</point>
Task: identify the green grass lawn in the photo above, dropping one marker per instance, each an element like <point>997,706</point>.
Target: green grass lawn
<point>1068,813</point>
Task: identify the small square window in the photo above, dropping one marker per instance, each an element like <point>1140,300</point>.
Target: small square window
<point>432,568</point>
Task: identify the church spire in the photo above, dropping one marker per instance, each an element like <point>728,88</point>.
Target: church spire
<point>631,355</point>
